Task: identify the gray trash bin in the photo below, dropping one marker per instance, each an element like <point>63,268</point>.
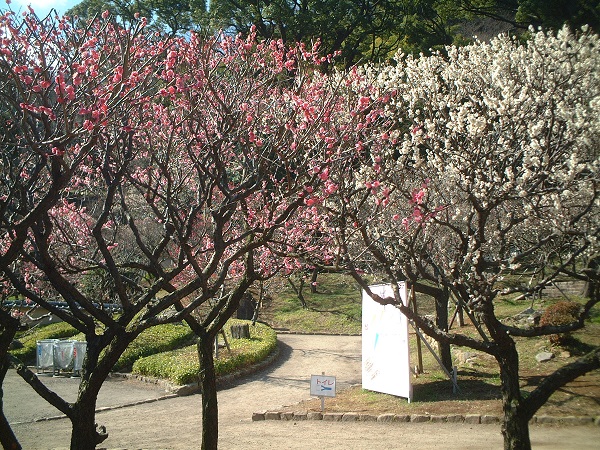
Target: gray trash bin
<point>78,355</point>
<point>45,354</point>
<point>63,355</point>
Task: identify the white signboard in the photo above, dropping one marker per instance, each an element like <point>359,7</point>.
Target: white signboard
<point>322,386</point>
<point>385,349</point>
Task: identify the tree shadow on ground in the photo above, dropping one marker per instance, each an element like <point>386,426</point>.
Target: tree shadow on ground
<point>469,389</point>
<point>583,389</point>
<point>575,347</point>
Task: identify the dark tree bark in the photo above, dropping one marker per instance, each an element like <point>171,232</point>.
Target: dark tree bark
<point>87,434</point>
<point>210,422</point>
<point>7,437</point>
<point>515,425</point>
<point>442,297</point>
<point>313,280</point>
<point>298,291</point>
<point>441,321</point>
<point>9,327</point>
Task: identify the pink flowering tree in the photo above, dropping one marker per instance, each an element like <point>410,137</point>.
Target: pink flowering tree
<point>68,98</point>
<point>177,171</point>
<point>485,167</point>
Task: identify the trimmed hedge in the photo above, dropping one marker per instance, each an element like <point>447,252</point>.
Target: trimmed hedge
<point>157,339</point>
<point>58,330</point>
<point>182,366</point>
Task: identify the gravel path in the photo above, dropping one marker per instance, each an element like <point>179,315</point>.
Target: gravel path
<point>174,423</point>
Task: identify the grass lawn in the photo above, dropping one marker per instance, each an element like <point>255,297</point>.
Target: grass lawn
<point>334,308</point>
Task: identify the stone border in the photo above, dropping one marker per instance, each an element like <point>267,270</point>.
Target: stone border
<point>311,333</point>
<point>100,409</point>
<point>415,418</point>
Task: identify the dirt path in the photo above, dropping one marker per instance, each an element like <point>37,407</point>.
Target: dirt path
<point>175,423</point>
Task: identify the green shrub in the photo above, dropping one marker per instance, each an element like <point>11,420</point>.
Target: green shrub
<point>182,366</point>
<point>560,313</point>
<point>29,338</point>
<point>154,340</point>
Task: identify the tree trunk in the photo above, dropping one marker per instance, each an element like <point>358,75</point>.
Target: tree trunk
<point>441,321</point>
<point>298,290</point>
<point>313,280</point>
<point>210,409</point>
<point>261,294</point>
<point>7,437</point>
<point>515,427</point>
<point>8,326</point>
<point>86,433</point>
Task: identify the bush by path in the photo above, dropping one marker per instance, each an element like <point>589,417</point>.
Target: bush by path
<point>182,367</point>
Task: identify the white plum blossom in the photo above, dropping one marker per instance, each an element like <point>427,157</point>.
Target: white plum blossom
<point>489,168</point>
<point>507,135</point>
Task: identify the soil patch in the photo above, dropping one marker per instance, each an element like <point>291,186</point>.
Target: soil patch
<point>579,398</point>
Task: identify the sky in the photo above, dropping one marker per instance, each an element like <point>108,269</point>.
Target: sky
<point>42,7</point>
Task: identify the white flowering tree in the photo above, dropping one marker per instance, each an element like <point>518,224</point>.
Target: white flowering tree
<point>486,167</point>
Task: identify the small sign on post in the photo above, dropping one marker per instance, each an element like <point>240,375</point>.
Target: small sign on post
<point>322,386</point>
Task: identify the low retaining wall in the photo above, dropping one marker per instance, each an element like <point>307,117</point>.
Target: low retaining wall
<point>415,418</point>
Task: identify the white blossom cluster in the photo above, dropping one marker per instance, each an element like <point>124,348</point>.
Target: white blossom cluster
<point>506,137</point>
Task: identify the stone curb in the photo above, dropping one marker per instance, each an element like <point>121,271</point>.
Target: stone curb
<point>103,408</point>
<point>416,418</point>
<point>311,333</point>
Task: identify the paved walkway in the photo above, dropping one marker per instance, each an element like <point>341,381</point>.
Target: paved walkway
<point>174,423</point>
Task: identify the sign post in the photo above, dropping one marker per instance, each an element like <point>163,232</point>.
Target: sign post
<point>322,386</point>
